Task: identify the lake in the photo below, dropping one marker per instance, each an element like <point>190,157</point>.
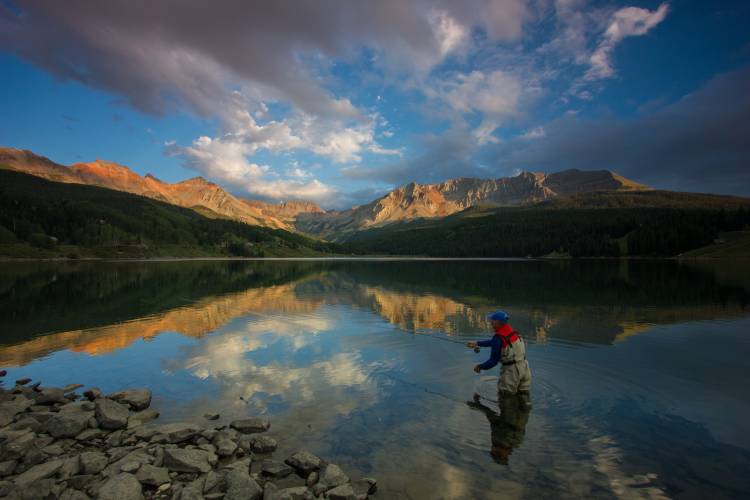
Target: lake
<point>640,367</point>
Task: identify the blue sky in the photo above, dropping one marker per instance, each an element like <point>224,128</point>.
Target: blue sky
<point>339,101</point>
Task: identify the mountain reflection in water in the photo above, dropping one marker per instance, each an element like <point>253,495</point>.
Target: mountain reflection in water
<point>339,353</point>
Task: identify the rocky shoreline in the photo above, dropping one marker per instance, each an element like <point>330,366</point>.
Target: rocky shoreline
<point>57,443</point>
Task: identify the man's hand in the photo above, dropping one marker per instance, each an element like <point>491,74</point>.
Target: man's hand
<point>471,345</point>
<point>477,369</point>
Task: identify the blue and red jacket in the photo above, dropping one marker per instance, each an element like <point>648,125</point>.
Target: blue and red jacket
<point>504,335</point>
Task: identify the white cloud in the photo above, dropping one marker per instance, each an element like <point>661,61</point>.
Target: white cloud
<point>626,22</point>
<point>450,35</point>
<point>534,133</point>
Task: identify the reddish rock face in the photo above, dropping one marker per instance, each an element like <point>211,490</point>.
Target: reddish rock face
<point>199,194</point>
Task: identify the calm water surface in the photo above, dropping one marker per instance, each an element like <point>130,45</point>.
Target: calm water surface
<point>640,368</point>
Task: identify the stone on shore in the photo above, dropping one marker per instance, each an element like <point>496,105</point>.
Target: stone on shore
<point>251,425</point>
<point>142,417</point>
<point>92,394</point>
<point>50,396</point>
<point>68,424</point>
<point>183,460</point>
<point>275,469</point>
<point>138,399</point>
<point>240,486</point>
<point>178,432</point>
<point>38,472</point>
<point>121,487</point>
<point>332,477</point>
<point>343,492</point>
<point>23,381</point>
<point>305,462</point>
<point>263,444</point>
<point>111,415</point>
<point>93,462</point>
<point>363,487</point>
<point>152,476</point>
<point>211,416</point>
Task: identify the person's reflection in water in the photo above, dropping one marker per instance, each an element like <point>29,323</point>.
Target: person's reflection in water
<point>508,427</point>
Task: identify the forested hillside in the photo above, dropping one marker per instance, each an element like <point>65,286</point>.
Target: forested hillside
<point>39,218</point>
<point>541,231</point>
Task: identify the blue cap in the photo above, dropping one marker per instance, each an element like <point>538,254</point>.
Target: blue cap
<point>499,316</point>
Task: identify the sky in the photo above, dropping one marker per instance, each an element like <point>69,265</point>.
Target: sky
<point>337,102</point>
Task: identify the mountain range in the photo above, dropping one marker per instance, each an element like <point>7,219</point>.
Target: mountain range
<point>405,203</point>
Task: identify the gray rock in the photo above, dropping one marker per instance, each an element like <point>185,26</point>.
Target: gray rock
<point>121,487</point>
<point>243,464</point>
<point>71,494</point>
<point>212,482</point>
<point>211,416</point>
<point>343,492</point>
<point>111,415</point>
<point>192,491</point>
<point>364,487</point>
<point>305,462</point>
<point>23,381</point>
<point>152,476</point>
<point>27,423</point>
<point>312,479</point>
<point>183,460</point>
<point>79,482</point>
<point>142,417</point>
<point>71,387</point>
<point>275,469</point>
<point>138,399</point>
<point>333,476</point>
<point>295,493</point>
<point>93,462</point>
<point>7,467</point>
<point>77,406</point>
<point>38,472</point>
<point>251,425</point>
<point>240,486</point>
<point>17,444</point>
<point>89,434</point>
<point>225,446</point>
<point>68,424</point>
<point>263,444</point>
<point>178,432</point>
<point>130,467</point>
<point>114,439</point>
<point>71,467</point>
<point>50,396</point>
<point>53,450</point>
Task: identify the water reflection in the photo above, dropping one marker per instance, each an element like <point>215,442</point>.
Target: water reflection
<point>345,357</point>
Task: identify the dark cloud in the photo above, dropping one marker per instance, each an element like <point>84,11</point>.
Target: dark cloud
<point>159,54</point>
<point>446,156</point>
<point>699,143</point>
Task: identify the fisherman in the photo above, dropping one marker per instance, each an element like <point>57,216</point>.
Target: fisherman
<point>509,349</point>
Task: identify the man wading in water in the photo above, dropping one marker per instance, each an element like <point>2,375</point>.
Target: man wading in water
<point>509,349</point>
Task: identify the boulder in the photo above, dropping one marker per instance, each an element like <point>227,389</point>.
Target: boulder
<point>275,469</point>
<point>142,417</point>
<point>77,406</point>
<point>240,486</point>
<point>111,415</point>
<point>152,476</point>
<point>9,409</point>
<point>121,487</point>
<point>211,416</point>
<point>305,462</point>
<point>251,425</point>
<point>7,467</point>
<point>343,492</point>
<point>333,476</point>
<point>50,396</point>
<point>93,462</point>
<point>68,424</point>
<point>295,493</point>
<point>225,446</point>
<point>39,472</point>
<point>130,467</point>
<point>17,444</point>
<point>178,432</point>
<point>263,444</point>
<point>184,460</point>
<point>71,494</point>
<point>23,381</point>
<point>364,487</point>
<point>138,399</point>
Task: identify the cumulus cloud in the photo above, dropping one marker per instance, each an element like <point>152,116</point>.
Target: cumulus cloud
<point>699,143</point>
<point>625,22</point>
